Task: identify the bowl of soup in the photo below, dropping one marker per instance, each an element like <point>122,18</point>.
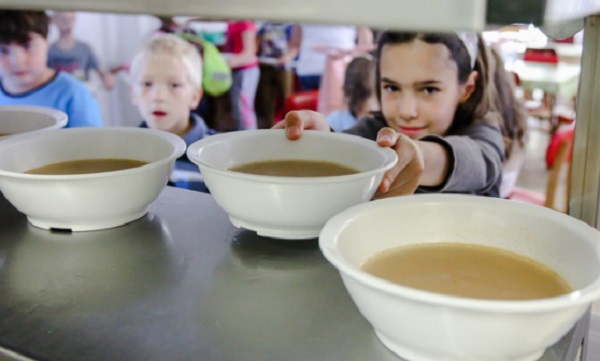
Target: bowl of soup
<point>288,189</point>
<point>459,277</point>
<point>15,120</point>
<point>82,179</point>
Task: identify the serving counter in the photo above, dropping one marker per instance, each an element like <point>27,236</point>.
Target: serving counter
<point>181,283</point>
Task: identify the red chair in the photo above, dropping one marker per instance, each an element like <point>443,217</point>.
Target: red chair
<point>541,55</point>
<point>300,101</point>
<point>560,136</point>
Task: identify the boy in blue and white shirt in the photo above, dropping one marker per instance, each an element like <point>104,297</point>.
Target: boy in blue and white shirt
<point>26,79</point>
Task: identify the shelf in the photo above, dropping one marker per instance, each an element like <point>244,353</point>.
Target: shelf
<point>433,15</point>
<point>407,14</point>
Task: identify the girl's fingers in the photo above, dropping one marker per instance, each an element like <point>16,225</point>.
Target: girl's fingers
<point>295,122</point>
<point>387,137</point>
<point>404,177</point>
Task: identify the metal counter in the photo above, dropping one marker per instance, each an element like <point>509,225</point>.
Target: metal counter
<point>181,283</point>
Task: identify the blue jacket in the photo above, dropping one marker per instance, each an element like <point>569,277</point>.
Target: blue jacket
<point>185,173</point>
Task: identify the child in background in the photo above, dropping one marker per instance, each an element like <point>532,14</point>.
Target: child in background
<point>166,85</point>
<point>359,94</point>
<point>277,46</point>
<point>241,43</point>
<point>25,77</point>
<point>438,114</point>
<point>74,56</point>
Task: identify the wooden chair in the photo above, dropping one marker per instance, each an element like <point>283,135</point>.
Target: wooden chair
<point>553,185</point>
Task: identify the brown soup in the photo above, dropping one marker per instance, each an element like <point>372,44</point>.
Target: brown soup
<point>86,166</point>
<point>294,168</point>
<point>466,270</point>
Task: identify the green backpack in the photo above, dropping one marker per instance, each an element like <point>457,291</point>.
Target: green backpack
<point>216,73</point>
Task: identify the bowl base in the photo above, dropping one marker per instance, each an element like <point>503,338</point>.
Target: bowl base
<point>281,233</point>
<point>92,225</point>
<point>417,355</point>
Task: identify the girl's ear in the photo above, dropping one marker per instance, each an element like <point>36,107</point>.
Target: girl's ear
<point>468,87</point>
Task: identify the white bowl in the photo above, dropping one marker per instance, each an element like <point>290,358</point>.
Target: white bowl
<point>15,120</point>
<point>87,201</point>
<point>288,207</point>
<point>425,326</point>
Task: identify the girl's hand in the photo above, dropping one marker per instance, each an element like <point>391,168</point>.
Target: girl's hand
<point>296,121</point>
<point>404,177</point>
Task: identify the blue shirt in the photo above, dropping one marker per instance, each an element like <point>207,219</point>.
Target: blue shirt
<point>186,174</point>
<point>340,120</point>
<point>63,92</point>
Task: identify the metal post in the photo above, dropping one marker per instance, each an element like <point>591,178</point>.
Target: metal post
<point>585,166</point>
<point>584,191</point>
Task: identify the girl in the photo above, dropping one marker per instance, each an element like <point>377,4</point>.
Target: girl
<point>438,113</point>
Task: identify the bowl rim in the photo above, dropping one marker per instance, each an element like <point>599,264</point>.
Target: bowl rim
<point>61,119</point>
<point>328,244</point>
<point>177,142</point>
<point>390,157</point>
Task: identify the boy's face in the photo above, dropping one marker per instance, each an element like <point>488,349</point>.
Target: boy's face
<point>164,94</point>
<point>64,21</point>
<point>24,67</point>
<point>420,91</point>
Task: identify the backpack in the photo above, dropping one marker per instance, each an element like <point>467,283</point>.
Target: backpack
<point>216,73</point>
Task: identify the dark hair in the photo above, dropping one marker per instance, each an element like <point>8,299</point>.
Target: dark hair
<point>478,105</point>
<point>167,24</point>
<point>16,26</point>
<point>358,83</point>
<point>513,112</point>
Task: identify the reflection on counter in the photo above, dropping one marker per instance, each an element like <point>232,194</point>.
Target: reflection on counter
<point>87,269</point>
<point>266,283</point>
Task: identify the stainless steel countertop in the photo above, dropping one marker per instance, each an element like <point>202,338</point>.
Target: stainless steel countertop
<point>181,283</point>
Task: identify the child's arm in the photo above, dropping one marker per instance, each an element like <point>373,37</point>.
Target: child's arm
<point>466,163</point>
<point>420,163</point>
<point>293,46</point>
<point>477,157</point>
<point>107,79</point>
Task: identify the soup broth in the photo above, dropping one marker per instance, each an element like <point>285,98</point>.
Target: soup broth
<point>466,270</point>
<point>87,166</point>
<point>294,168</point>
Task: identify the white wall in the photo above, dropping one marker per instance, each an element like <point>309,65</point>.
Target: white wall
<point>115,38</point>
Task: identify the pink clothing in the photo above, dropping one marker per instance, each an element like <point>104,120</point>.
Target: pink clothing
<point>234,42</point>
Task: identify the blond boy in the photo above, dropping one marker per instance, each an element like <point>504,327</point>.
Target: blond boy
<point>166,85</point>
